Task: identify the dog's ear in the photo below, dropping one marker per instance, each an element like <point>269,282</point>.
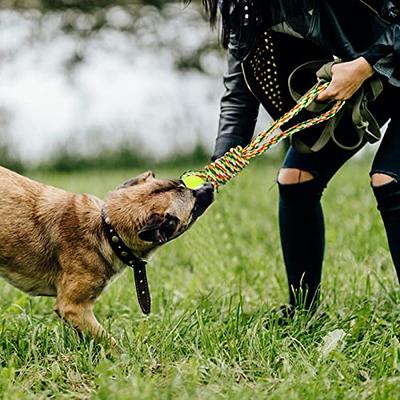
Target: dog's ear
<point>152,230</point>
<point>137,180</point>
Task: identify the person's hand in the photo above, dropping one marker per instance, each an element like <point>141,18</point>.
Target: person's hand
<point>347,78</point>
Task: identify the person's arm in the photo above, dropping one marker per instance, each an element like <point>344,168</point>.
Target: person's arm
<point>238,112</point>
<point>382,57</point>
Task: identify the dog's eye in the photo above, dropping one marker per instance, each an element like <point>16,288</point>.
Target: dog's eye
<point>169,227</point>
<point>181,186</point>
<point>172,224</point>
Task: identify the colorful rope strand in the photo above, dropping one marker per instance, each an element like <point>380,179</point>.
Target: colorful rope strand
<point>231,163</point>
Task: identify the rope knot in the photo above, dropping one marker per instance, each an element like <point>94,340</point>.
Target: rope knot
<point>227,167</point>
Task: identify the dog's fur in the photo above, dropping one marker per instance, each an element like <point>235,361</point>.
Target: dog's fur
<point>52,242</point>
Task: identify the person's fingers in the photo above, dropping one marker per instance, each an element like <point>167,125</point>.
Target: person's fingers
<point>322,96</point>
<point>328,94</point>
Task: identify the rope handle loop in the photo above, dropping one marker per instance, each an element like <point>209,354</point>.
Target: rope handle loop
<point>237,158</point>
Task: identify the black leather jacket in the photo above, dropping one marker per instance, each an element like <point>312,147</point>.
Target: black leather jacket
<point>268,39</point>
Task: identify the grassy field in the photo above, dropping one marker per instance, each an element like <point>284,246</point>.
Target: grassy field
<point>212,290</point>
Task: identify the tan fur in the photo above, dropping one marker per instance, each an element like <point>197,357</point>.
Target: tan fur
<point>52,242</point>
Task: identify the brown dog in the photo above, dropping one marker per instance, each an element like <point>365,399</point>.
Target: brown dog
<point>55,243</point>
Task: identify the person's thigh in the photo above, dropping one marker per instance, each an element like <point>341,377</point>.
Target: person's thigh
<point>326,162</point>
<point>323,164</point>
<point>387,158</point>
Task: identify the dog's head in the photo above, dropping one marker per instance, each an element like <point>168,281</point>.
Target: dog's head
<point>148,212</point>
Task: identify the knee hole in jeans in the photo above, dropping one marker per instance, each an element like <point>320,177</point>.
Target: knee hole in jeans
<point>292,176</point>
<point>379,179</point>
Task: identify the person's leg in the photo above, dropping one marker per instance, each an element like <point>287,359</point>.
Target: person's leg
<point>388,199</point>
<point>301,224</point>
<point>385,181</point>
<point>302,181</point>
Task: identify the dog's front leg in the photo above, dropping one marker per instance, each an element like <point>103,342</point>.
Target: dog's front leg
<point>82,318</point>
<point>77,291</point>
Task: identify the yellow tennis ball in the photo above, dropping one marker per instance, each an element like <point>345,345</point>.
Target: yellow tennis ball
<point>193,181</point>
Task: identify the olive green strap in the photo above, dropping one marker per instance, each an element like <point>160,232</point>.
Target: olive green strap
<point>364,122</point>
<point>324,74</point>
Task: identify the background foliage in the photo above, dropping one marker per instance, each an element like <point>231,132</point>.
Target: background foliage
<point>84,5</point>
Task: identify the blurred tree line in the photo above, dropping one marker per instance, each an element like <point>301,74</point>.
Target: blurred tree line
<point>82,5</point>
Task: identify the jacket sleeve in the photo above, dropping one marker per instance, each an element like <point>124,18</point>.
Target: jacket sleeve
<point>238,111</point>
<point>384,54</point>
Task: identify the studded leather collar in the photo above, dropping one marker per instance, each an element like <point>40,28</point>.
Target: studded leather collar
<point>125,254</point>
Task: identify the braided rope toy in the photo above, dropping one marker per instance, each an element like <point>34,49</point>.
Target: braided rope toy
<point>237,158</point>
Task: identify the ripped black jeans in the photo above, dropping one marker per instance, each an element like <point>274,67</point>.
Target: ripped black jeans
<point>301,218</point>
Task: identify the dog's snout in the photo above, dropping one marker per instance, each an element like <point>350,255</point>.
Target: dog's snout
<point>204,197</point>
<point>205,194</point>
<point>206,188</point>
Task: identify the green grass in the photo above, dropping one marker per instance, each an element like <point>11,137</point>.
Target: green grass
<point>212,289</point>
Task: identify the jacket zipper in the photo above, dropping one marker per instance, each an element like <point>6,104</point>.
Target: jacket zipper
<point>374,11</point>
<point>247,83</point>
